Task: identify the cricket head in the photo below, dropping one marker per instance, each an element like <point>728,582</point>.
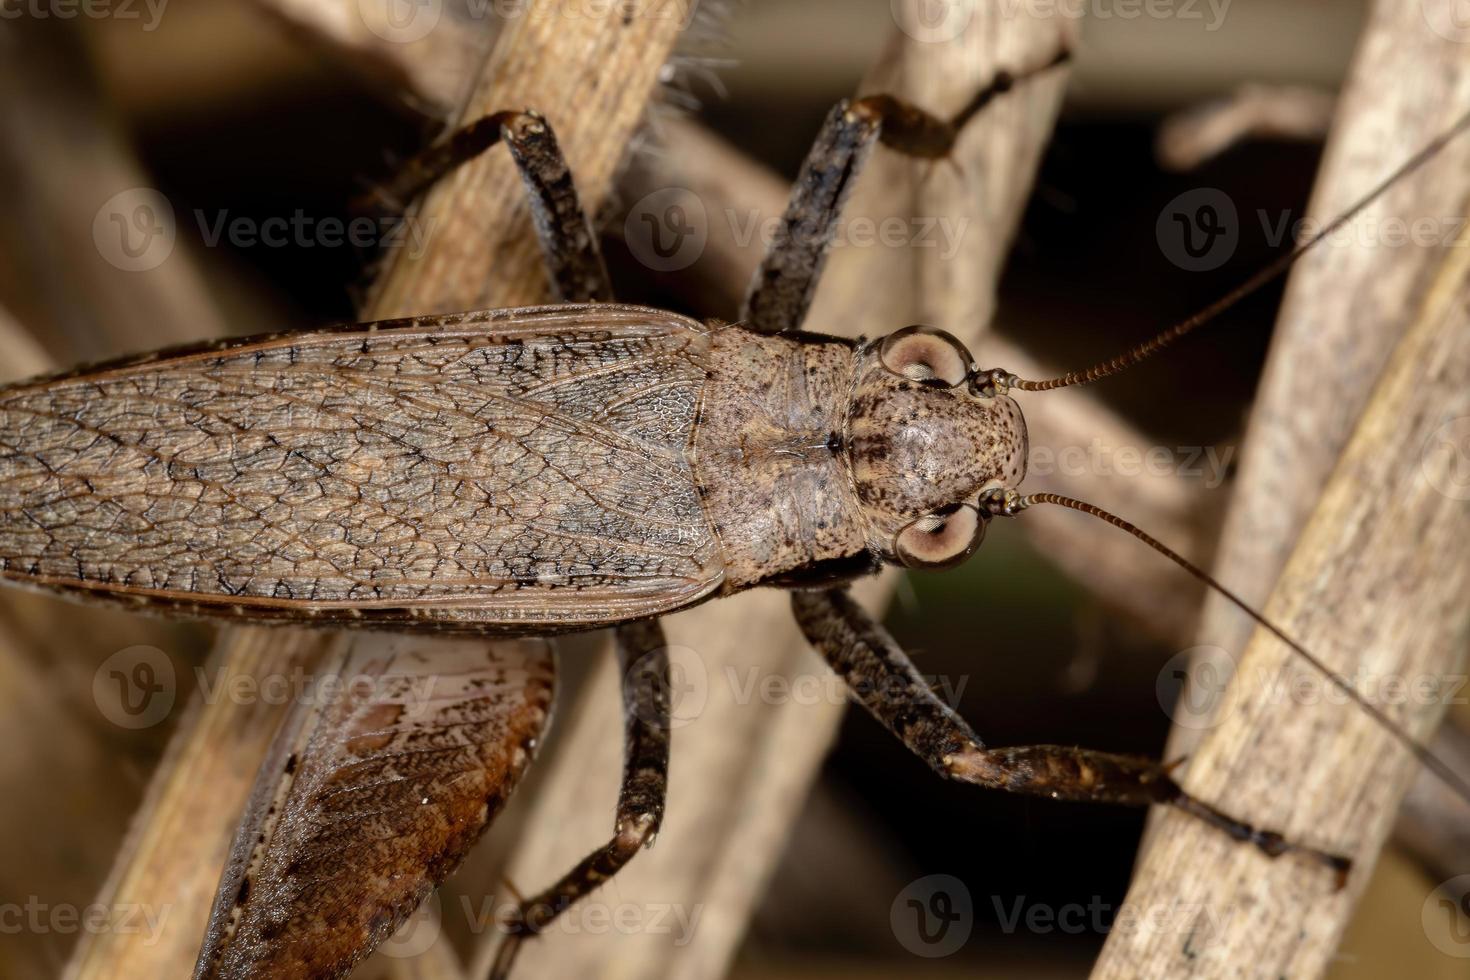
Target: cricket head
<point>925,437</point>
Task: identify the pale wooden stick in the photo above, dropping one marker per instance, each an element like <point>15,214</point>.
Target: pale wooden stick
<point>1298,112</point>
<point>741,768</point>
<point>592,76</point>
<point>23,357</point>
<point>1376,586</point>
<point>1346,307</point>
<point>431,56</point>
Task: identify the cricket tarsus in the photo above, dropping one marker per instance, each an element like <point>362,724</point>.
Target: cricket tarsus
<point>886,682</point>
<point>644,667</point>
<point>1275,270</point>
<point>1009,503</point>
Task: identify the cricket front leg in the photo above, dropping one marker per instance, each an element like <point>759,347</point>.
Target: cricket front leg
<point>883,678</point>
<point>783,286</point>
<point>643,663</point>
<point>574,261</point>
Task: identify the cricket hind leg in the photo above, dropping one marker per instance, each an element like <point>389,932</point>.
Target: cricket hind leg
<point>881,676</point>
<point>781,291</point>
<point>574,260</point>
<point>644,668</point>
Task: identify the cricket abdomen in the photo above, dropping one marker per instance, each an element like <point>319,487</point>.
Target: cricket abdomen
<point>770,460</point>
<point>521,469</point>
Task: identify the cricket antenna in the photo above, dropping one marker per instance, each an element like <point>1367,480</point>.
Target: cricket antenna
<point>1270,273</point>
<point>1008,503</point>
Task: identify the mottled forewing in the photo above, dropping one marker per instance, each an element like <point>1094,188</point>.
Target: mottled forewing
<point>389,769</point>
<point>515,467</point>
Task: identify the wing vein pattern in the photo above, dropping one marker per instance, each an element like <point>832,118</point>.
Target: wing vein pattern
<point>498,467</point>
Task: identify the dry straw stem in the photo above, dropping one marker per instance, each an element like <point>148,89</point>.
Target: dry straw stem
<point>429,57</point>
<point>1300,112</point>
<point>1346,307</point>
<point>591,73</point>
<point>1367,590</point>
<point>741,767</point>
<point>1322,772</point>
<point>593,76</point>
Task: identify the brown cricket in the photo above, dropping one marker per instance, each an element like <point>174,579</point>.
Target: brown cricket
<point>525,472</point>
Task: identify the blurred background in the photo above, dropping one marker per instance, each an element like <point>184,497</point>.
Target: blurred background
<point>230,112</point>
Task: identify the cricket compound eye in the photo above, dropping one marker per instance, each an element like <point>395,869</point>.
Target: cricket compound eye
<point>941,540</point>
<point>926,355</point>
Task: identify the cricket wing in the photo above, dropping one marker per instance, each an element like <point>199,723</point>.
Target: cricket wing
<point>522,469</point>
<point>372,795</point>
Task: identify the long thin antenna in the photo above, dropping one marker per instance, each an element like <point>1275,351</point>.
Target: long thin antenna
<point>1008,503</point>
<point>1270,273</point>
